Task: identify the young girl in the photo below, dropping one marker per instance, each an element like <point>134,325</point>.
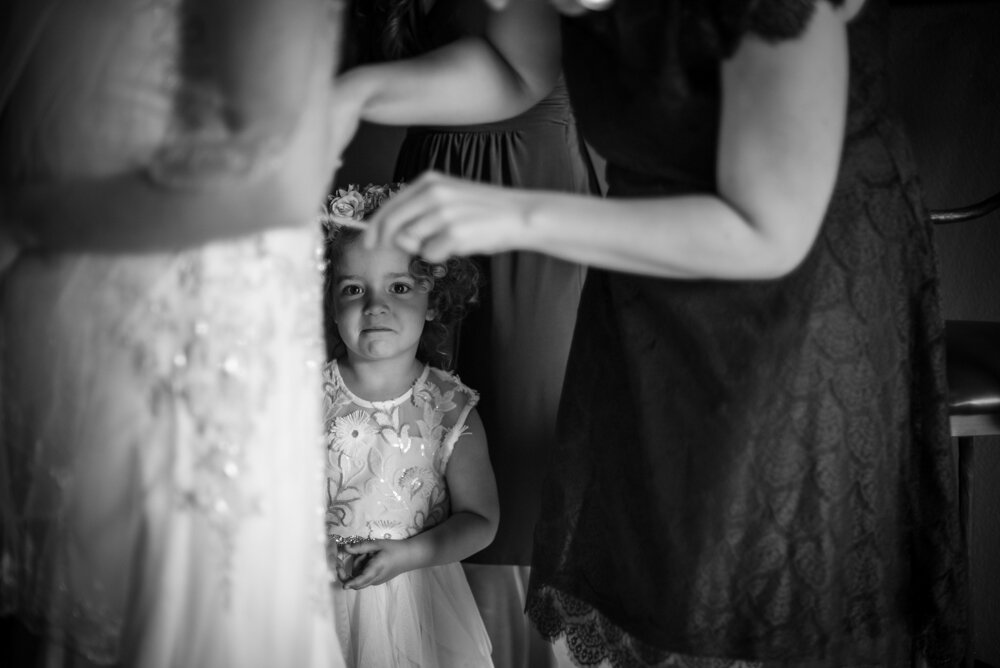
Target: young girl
<point>411,489</point>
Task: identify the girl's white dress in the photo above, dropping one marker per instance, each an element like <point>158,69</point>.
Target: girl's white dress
<point>386,478</point>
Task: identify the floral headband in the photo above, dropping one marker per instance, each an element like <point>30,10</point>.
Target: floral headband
<point>350,207</point>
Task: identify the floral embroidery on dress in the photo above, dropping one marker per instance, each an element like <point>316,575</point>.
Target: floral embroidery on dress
<point>209,357</point>
<point>353,432</point>
<point>386,460</point>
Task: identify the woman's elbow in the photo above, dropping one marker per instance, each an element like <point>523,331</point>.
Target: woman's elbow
<point>490,523</point>
<point>785,248</point>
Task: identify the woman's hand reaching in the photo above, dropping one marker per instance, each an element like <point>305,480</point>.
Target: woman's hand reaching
<point>439,216</point>
<point>783,105</point>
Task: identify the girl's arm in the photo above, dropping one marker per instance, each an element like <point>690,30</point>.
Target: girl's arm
<point>472,80</point>
<point>470,527</point>
<point>782,127</point>
<point>261,159</point>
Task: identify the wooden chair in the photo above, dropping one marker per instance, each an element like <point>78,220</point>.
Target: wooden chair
<point>973,368</point>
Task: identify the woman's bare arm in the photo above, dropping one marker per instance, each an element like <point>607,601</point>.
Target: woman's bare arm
<point>472,80</point>
<point>782,127</point>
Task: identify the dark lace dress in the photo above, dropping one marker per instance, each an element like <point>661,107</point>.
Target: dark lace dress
<point>751,470</point>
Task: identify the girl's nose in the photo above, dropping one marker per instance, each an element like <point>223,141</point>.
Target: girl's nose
<point>375,305</point>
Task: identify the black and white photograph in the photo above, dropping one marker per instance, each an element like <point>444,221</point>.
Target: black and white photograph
<point>499,334</point>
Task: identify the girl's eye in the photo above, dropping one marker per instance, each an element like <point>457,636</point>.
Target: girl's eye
<point>351,290</point>
<point>399,288</point>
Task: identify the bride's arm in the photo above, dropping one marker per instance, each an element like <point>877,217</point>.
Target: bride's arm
<point>261,158</point>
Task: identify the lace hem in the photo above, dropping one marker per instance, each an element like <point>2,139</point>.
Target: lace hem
<point>593,639</point>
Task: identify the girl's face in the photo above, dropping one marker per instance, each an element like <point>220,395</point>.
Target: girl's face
<point>379,307</point>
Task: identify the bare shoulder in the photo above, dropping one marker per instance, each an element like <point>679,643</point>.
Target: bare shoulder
<point>850,9</point>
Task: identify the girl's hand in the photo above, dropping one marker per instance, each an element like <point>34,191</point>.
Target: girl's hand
<point>439,216</point>
<point>374,562</point>
<point>349,564</point>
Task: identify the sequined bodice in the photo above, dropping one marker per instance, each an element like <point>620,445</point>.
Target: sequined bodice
<point>387,459</point>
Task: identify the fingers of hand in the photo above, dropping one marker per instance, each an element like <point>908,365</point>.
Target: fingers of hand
<point>352,559</point>
<point>439,247</point>
<point>415,237</point>
<point>416,201</point>
<point>363,547</point>
<point>436,235</point>
<point>366,573</point>
<point>344,570</point>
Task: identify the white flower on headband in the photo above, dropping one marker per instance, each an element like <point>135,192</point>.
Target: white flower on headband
<point>350,205</point>
<point>348,208</point>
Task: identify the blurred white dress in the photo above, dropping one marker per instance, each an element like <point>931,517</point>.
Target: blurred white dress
<point>160,453</point>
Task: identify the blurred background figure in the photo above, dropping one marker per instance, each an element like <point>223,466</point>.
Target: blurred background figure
<point>160,349</point>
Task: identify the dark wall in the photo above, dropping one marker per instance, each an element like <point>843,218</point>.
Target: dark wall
<point>946,78</point>
<point>370,156</point>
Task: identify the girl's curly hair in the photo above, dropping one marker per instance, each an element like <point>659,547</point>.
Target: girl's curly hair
<point>454,290</point>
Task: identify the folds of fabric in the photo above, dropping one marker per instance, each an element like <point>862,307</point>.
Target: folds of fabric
<point>160,435</point>
<point>429,615</point>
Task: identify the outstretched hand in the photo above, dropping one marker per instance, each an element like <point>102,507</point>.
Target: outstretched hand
<point>373,562</point>
<point>439,216</point>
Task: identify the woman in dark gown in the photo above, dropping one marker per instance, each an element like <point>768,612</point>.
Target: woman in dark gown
<point>800,499</point>
<point>754,462</point>
<point>513,347</point>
